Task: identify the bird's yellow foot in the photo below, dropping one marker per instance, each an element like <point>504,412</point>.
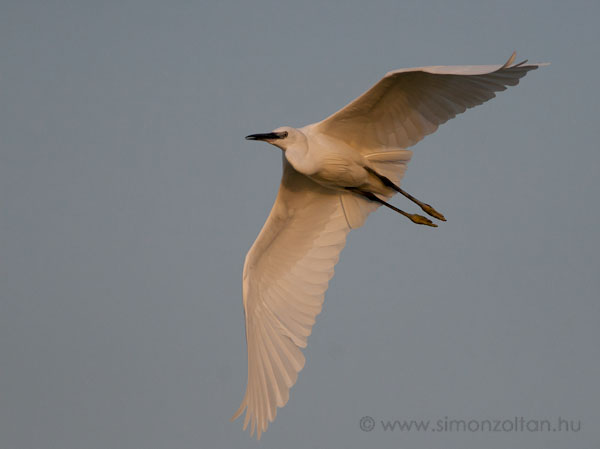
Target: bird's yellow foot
<point>419,219</point>
<point>431,211</point>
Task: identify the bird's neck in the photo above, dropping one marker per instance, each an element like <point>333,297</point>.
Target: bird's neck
<point>298,156</point>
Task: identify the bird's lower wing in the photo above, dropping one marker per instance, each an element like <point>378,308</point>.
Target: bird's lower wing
<point>408,104</point>
<point>286,274</point>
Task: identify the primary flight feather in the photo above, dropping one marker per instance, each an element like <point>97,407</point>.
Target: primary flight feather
<point>335,172</point>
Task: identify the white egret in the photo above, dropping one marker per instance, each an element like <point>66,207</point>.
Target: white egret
<point>335,172</point>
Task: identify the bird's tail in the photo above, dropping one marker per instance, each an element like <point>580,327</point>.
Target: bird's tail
<point>392,165</point>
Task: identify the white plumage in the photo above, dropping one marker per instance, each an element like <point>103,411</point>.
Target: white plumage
<point>329,169</point>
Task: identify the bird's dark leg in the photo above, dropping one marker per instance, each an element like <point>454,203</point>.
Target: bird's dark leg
<point>415,218</point>
<point>425,207</point>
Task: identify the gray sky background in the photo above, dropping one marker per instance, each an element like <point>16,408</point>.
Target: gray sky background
<point>129,198</point>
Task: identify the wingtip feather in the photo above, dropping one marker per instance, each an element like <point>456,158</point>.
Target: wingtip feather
<point>510,60</point>
<point>239,411</point>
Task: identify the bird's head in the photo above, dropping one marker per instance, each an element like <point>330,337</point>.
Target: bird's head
<point>283,137</point>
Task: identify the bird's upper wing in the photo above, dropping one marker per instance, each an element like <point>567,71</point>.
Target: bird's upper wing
<point>286,274</point>
<point>408,104</point>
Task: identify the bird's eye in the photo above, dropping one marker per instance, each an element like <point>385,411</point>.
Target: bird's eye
<point>282,134</point>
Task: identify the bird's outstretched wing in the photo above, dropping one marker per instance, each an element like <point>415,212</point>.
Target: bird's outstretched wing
<point>408,104</point>
<point>286,274</point>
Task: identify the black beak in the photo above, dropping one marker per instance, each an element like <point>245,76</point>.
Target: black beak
<point>266,136</point>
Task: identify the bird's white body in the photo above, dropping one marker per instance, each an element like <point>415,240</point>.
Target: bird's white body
<point>336,172</point>
<point>329,161</point>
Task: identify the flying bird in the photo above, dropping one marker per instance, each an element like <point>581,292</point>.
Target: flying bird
<point>335,173</point>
